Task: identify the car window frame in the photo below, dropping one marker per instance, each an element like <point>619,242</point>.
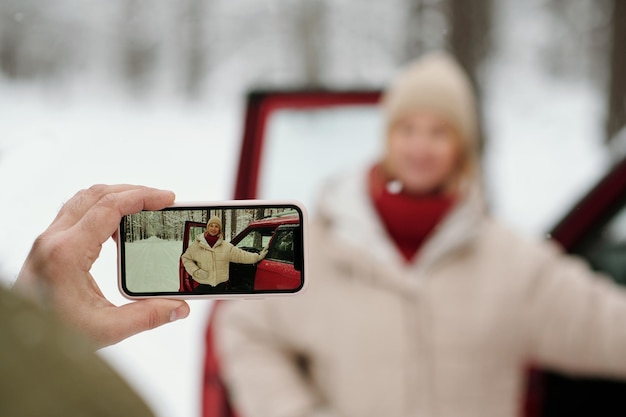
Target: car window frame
<point>593,210</point>
<point>292,228</point>
<point>260,107</point>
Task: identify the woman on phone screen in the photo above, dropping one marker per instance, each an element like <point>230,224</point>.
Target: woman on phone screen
<point>207,258</point>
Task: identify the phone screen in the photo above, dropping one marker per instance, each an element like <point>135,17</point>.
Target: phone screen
<point>200,250</point>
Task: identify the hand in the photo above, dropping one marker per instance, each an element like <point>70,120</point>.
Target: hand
<point>202,275</point>
<point>263,253</point>
<point>57,269</point>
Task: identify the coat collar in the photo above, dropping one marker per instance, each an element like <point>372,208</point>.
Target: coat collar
<point>348,215</point>
<point>203,243</point>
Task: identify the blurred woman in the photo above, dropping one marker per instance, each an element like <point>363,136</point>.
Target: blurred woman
<point>207,258</point>
<point>419,304</point>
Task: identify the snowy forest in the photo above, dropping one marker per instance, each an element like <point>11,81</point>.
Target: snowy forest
<point>207,48</point>
<point>145,91</point>
<point>170,224</point>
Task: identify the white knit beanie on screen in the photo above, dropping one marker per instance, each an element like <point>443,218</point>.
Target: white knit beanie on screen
<point>215,220</point>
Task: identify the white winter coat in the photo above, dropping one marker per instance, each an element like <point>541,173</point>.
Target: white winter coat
<point>449,335</point>
<point>210,265</point>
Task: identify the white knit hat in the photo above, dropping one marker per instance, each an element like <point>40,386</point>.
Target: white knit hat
<point>214,219</point>
<point>437,83</point>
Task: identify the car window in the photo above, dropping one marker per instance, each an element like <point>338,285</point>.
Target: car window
<point>257,239</point>
<point>606,248</point>
<point>304,147</point>
<point>282,247</point>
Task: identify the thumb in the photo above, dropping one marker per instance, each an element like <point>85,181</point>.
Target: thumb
<point>130,319</point>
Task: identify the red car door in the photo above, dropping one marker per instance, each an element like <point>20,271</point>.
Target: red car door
<point>269,168</point>
<point>280,270</point>
<point>192,229</point>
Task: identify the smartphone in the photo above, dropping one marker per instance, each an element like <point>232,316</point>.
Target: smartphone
<point>221,250</point>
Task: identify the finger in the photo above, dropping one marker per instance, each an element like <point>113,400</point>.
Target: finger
<point>102,220</point>
<point>76,207</point>
<point>133,318</point>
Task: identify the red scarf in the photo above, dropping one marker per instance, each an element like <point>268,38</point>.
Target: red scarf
<point>409,220</point>
<point>211,240</point>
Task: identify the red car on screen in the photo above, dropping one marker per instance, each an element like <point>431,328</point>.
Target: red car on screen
<point>279,270</point>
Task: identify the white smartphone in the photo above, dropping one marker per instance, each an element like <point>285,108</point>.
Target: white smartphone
<point>220,250</point>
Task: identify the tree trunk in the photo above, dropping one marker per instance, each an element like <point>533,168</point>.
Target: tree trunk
<point>309,29</point>
<point>233,223</point>
<point>415,40</point>
<point>617,85</point>
<point>11,34</point>
<point>470,39</point>
<point>138,54</point>
<point>193,46</point>
<point>259,213</point>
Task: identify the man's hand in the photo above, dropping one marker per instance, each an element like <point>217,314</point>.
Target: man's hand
<point>57,270</point>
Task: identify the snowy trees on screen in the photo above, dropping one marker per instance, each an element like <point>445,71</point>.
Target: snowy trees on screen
<point>170,224</point>
<point>166,225</point>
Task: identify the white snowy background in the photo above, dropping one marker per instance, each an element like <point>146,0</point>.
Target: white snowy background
<point>545,149</point>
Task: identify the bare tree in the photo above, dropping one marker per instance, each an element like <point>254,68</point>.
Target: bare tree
<point>470,41</point>
<point>415,37</point>
<point>462,26</point>
<point>193,47</point>
<point>617,86</point>
<point>259,213</point>
<point>36,42</point>
<point>12,33</point>
<point>233,225</point>
<point>470,26</point>
<point>308,35</point>
<point>427,27</point>
<point>138,50</point>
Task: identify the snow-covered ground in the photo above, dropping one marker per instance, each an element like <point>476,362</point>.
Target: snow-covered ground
<point>152,265</point>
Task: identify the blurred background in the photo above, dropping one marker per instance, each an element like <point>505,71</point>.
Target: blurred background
<point>142,91</point>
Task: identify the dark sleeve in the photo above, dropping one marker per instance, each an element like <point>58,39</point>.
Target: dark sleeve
<point>49,370</point>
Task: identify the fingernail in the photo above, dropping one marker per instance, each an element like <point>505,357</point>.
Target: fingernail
<point>179,313</point>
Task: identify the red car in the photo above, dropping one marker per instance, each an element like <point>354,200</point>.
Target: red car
<point>279,270</point>
<point>594,229</point>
